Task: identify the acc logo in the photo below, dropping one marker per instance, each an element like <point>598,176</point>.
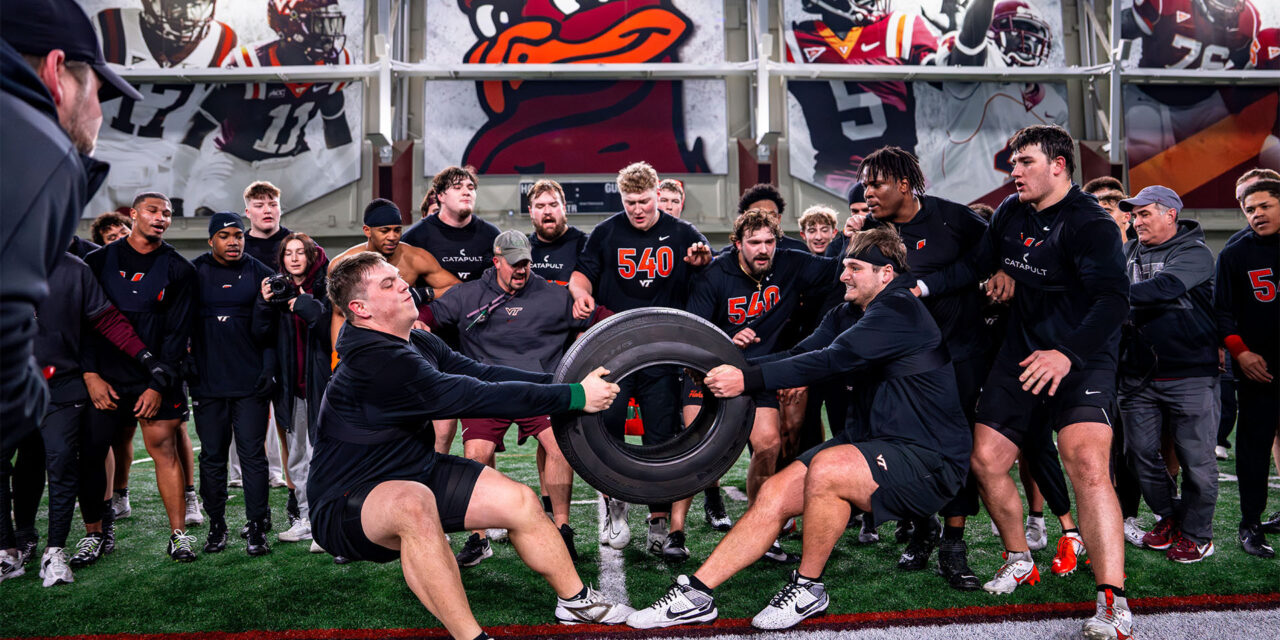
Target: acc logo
<point>511,311</point>
<point>812,53</point>
<point>645,283</point>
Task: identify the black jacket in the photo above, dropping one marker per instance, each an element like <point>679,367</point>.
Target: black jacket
<point>302,341</point>
<point>46,187</point>
<point>232,332</point>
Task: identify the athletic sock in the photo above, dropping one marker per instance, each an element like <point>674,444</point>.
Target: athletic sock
<point>482,636</point>
<point>952,534</point>
<point>697,584</point>
<point>803,579</point>
<point>577,596</point>
<point>1036,514</point>
<point>191,488</point>
<point>1075,530</point>
<point>1013,556</point>
<point>1116,592</point>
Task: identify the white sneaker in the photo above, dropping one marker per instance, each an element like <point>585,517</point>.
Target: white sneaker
<point>497,535</point>
<point>235,483</point>
<point>315,546</point>
<point>1037,538</point>
<point>1221,453</point>
<point>1012,574</point>
<point>995,531</point>
<point>797,601</point>
<point>301,530</point>
<point>592,608</point>
<point>615,531</point>
<point>1133,532</point>
<point>1111,622</point>
<point>657,535</point>
<point>193,510</point>
<point>683,604</point>
<point>54,568</point>
<point>120,505</point>
<point>277,482</point>
<point>10,566</point>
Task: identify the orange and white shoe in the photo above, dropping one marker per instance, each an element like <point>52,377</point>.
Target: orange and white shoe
<point>1067,558</point>
<point>1012,574</point>
<point>1113,621</point>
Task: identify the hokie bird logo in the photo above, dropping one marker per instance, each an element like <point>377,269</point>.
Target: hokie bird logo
<point>579,126</point>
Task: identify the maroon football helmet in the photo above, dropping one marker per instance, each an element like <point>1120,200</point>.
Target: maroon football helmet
<point>1224,13</point>
<point>315,26</point>
<point>859,12</point>
<point>1024,39</point>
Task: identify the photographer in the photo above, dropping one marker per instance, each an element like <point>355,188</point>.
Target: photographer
<point>233,378</point>
<point>298,294</point>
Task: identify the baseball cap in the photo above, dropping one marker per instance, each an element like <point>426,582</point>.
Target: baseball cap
<point>222,220</point>
<point>1155,194</point>
<point>37,27</point>
<point>513,246</point>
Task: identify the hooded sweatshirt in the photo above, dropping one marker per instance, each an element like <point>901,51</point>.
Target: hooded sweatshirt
<point>1171,298</point>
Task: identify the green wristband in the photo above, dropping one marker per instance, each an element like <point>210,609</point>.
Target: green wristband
<point>577,397</point>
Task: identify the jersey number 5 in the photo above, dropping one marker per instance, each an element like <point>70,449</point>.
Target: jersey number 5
<point>1264,290</point>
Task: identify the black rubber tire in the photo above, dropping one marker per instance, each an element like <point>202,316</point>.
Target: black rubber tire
<point>682,466</point>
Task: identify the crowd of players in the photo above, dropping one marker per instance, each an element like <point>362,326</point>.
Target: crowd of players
<point>829,320</point>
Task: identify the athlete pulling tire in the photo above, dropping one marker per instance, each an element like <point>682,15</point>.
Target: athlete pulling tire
<point>674,469</point>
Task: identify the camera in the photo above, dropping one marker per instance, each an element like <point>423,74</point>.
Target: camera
<point>282,288</point>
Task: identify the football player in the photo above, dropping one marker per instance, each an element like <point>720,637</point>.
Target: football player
<point>848,119</point>
<point>141,136</point>
<point>974,160</point>
<point>263,125</point>
<point>1193,34</point>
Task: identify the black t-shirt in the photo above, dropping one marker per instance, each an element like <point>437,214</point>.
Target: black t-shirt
<point>629,268</point>
<point>939,235</point>
<point>556,260</point>
<point>733,301</point>
<point>159,303</point>
<point>1245,299</point>
<point>265,249</point>
<point>464,251</point>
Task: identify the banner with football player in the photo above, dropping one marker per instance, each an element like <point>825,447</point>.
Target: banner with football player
<point>575,126</point>
<point>1194,139</point>
<point>959,130</point>
<point>201,144</point>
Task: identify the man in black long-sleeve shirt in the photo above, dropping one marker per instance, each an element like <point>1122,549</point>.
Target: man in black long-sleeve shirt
<point>1062,339</point>
<point>378,489</point>
<point>904,455</point>
<point>1248,314</point>
<point>153,286</point>
<point>233,348</point>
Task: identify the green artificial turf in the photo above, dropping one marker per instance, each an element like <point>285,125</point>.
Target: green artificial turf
<point>139,590</point>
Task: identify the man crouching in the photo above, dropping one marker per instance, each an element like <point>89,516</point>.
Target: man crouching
<point>380,492</point>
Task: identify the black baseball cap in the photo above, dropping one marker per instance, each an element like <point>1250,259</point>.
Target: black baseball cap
<point>37,27</point>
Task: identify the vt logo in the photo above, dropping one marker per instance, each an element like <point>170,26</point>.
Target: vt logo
<point>223,318</point>
<point>880,461</point>
<point>511,311</point>
<point>645,283</point>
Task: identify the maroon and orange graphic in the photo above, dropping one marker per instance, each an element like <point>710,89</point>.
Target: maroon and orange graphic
<point>589,126</point>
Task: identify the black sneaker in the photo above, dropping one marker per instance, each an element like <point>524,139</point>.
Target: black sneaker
<point>1255,543</point>
<point>713,510</point>
<point>1272,524</point>
<point>88,550</point>
<point>217,540</point>
<point>868,534</point>
<point>673,550</point>
<point>953,565</point>
<point>341,560</point>
<point>781,556</point>
<point>923,539</point>
<point>108,534</point>
<point>566,534</point>
<point>257,539</point>
<point>244,531</point>
<point>903,532</point>
<point>180,546</point>
<point>475,550</point>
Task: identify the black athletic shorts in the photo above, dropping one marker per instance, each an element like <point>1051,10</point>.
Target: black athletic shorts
<point>173,406</point>
<point>450,478</point>
<point>914,481</point>
<point>691,395</point>
<point>1083,396</point>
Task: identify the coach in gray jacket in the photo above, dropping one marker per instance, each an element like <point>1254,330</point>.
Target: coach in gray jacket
<point>1169,372</point>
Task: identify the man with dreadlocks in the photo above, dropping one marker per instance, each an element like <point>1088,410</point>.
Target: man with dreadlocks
<point>904,453</point>
<point>936,233</point>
